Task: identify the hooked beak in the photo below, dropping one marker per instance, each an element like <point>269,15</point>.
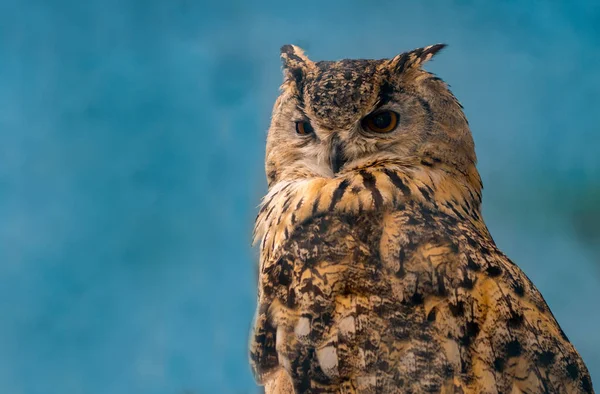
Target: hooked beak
<point>337,158</point>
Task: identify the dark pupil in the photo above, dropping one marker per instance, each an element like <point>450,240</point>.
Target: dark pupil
<point>382,120</point>
<point>307,128</point>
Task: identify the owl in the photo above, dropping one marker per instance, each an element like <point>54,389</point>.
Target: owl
<point>377,272</point>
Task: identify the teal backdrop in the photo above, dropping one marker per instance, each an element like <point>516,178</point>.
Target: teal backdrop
<point>131,163</point>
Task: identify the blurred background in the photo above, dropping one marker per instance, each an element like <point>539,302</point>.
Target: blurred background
<point>131,163</point>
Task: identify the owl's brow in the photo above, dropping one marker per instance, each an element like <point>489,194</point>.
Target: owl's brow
<point>386,90</point>
<point>385,96</point>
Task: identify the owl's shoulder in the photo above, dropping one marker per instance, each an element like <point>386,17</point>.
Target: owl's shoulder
<point>474,294</point>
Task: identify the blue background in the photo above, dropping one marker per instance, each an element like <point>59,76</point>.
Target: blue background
<point>131,163</point>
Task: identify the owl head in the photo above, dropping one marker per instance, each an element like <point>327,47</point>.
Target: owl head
<point>337,116</point>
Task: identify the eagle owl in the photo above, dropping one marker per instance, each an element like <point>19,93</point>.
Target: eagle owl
<point>377,272</point>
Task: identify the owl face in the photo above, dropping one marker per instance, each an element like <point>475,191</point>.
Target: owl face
<point>333,117</point>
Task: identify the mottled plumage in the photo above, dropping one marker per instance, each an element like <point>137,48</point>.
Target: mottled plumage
<point>377,272</point>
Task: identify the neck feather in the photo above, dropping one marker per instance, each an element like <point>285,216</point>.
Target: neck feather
<point>378,185</point>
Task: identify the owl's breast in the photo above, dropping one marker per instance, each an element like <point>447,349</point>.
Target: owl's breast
<point>340,253</point>
<point>337,291</point>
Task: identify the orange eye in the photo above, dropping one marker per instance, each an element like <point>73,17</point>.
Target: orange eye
<point>304,128</point>
<point>381,122</point>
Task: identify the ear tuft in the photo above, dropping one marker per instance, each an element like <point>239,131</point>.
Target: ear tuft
<point>415,58</point>
<point>293,56</point>
<point>295,62</point>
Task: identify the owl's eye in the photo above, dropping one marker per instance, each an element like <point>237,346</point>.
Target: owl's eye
<point>381,122</point>
<point>304,128</point>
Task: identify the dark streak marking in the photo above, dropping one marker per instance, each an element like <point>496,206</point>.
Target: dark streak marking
<point>401,63</point>
<point>315,207</point>
<point>573,371</point>
<point>472,196</point>
<point>471,331</point>
<point>513,348</point>
<point>397,181</point>
<point>269,212</point>
<point>417,298</point>
<point>546,358</point>
<point>457,309</point>
<point>291,298</point>
<point>515,321</point>
<point>493,271</point>
<point>263,208</point>
<point>519,289</point>
<point>401,259</point>
<point>451,206</point>
<point>370,184</point>
<point>299,203</point>
<point>286,203</point>
<point>425,193</point>
<point>499,363</point>
<point>427,109</point>
<point>385,93</point>
<point>586,384</point>
<point>339,193</point>
<point>467,282</point>
<point>431,315</point>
